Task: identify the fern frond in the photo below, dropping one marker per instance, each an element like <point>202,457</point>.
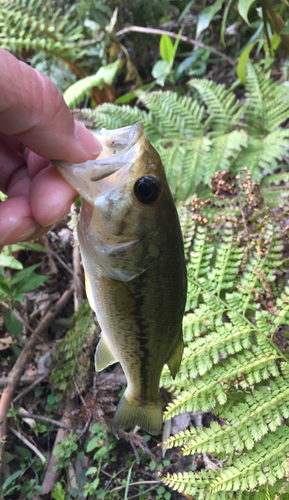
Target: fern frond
<point>26,25</point>
<point>263,154</point>
<point>197,140</point>
<point>222,103</point>
<point>248,422</point>
<point>194,166</point>
<point>275,188</point>
<point>110,117</point>
<point>268,104</point>
<point>176,117</point>
<point>265,464</point>
<point>73,351</point>
<point>224,152</point>
<point>232,366</point>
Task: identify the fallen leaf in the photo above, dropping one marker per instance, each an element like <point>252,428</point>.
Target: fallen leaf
<point>30,371</point>
<point>6,342</point>
<point>29,421</point>
<point>180,423</point>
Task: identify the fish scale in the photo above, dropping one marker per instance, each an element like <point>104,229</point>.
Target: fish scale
<point>135,273</point>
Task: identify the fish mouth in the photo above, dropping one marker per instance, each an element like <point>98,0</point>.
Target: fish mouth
<point>119,148</point>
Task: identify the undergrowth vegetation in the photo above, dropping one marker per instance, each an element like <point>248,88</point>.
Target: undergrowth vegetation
<point>235,329</point>
<point>197,137</point>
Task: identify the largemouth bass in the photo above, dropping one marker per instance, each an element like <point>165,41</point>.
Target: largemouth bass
<point>135,273</point>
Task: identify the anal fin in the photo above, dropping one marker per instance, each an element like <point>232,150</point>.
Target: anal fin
<point>104,357</point>
<point>175,360</point>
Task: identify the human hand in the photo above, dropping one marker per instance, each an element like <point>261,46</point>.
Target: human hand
<point>36,126</point>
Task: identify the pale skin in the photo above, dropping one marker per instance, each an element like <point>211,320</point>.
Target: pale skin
<point>36,127</point>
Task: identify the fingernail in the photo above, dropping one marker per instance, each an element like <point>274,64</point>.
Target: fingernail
<point>87,139</point>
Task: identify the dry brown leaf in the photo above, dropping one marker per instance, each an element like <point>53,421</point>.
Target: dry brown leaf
<point>180,423</point>
<point>30,371</point>
<point>5,343</point>
<point>211,462</point>
<point>277,24</point>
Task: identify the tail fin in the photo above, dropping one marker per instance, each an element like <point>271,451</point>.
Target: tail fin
<point>148,416</point>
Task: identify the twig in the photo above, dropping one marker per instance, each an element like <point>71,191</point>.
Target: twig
<point>44,419</point>
<point>134,484</point>
<point>141,493</point>
<point>79,394</point>
<point>153,31</point>
<point>31,386</point>
<point>19,367</point>
<point>29,445</point>
<point>51,476</point>
<point>25,379</point>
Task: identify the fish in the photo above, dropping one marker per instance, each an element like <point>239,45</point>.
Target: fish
<point>135,272</point>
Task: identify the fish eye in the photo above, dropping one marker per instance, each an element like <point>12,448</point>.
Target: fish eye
<point>147,189</point>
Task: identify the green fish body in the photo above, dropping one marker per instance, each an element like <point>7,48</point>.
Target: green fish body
<point>132,252</point>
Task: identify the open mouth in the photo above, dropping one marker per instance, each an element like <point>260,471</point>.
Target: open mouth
<point>119,149</point>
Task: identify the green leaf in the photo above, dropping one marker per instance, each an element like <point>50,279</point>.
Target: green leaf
<point>27,245</point>
<point>131,95</point>
<point>5,289</point>
<point>160,71</point>
<point>24,452</point>
<point>92,444</point>
<point>241,68</point>
<point>58,492</point>
<point>23,274</point>
<point>176,44</point>
<point>127,482</point>
<point>285,31</point>
<point>10,479</point>
<point>224,21</point>
<point>52,399</point>
<point>30,283</point>
<point>243,7</point>
<point>186,9</point>
<point>90,471</point>
<point>13,324</point>
<point>125,98</point>
<point>166,48</point>
<point>77,92</point>
<point>10,261</point>
<point>207,15</point>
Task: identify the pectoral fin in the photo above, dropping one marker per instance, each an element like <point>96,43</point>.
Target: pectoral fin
<point>175,360</point>
<point>104,357</point>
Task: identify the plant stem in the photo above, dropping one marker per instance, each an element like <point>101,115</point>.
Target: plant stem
<point>134,484</point>
<point>153,31</point>
<point>29,445</point>
<point>44,419</point>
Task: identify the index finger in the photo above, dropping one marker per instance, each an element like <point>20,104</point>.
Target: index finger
<point>33,110</point>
